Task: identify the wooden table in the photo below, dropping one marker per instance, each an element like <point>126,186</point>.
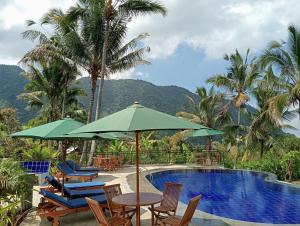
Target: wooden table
<point>145,199</point>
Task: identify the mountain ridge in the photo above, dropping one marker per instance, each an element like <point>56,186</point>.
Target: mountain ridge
<point>118,94</point>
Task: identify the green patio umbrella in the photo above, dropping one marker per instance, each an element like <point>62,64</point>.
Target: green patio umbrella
<point>137,118</point>
<point>205,132</point>
<point>50,131</point>
<point>58,130</point>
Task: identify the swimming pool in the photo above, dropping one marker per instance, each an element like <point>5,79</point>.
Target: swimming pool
<point>235,194</point>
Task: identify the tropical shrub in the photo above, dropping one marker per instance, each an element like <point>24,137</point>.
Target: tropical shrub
<point>15,191</point>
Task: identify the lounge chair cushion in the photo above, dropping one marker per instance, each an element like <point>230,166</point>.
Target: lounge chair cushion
<point>72,203</point>
<point>84,193</point>
<point>71,164</point>
<point>84,184</point>
<point>71,193</point>
<point>69,171</point>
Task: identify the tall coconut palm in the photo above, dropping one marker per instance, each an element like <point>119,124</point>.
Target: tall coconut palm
<point>115,10</point>
<point>209,111</point>
<point>126,9</point>
<point>284,57</point>
<point>239,79</point>
<point>49,88</point>
<point>83,44</point>
<point>264,123</point>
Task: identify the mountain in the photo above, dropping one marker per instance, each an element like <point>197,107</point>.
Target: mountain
<point>118,94</point>
<point>12,84</point>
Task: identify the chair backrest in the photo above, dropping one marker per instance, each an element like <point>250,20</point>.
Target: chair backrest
<point>73,165</point>
<point>190,210</point>
<point>97,211</point>
<point>64,168</point>
<point>56,199</point>
<point>171,195</point>
<point>56,184</point>
<point>110,192</point>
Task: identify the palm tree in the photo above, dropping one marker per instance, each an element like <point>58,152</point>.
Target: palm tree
<point>126,9</point>
<point>264,122</point>
<point>209,111</point>
<point>83,45</point>
<point>284,57</point>
<point>49,88</point>
<point>240,78</point>
<point>118,10</point>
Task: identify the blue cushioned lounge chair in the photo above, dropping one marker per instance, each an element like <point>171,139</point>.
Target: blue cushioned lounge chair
<point>54,206</point>
<point>76,167</point>
<point>69,173</point>
<point>76,193</point>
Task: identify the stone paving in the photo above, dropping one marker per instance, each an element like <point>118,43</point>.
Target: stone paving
<point>126,177</point>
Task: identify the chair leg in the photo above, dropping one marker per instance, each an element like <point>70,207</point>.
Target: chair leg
<point>55,221</point>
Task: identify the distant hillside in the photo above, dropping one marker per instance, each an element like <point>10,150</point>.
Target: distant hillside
<point>118,94</point>
<point>12,84</point>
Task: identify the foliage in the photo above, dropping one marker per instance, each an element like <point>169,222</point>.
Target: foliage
<point>13,179</point>
<point>48,88</point>
<point>284,57</point>
<point>8,124</point>
<point>9,211</point>
<point>40,153</point>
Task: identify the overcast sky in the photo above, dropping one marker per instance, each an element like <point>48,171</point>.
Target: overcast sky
<point>187,46</point>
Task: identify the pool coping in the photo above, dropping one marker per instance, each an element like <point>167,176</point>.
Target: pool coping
<point>270,178</point>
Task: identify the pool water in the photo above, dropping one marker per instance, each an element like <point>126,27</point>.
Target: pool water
<point>239,195</point>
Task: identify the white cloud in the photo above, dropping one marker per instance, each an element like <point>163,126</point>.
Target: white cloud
<point>131,73</point>
<point>217,27</point>
<point>213,26</point>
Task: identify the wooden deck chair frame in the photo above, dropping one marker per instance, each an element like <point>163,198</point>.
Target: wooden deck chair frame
<point>102,219</point>
<point>52,210</point>
<point>125,211</point>
<point>169,204</point>
<point>187,217</point>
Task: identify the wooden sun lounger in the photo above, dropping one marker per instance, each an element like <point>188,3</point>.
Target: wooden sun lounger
<point>70,174</point>
<point>53,206</point>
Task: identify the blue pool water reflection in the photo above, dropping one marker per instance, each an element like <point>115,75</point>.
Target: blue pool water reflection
<point>240,195</point>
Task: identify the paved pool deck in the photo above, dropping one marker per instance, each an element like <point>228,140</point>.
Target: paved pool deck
<point>126,177</point>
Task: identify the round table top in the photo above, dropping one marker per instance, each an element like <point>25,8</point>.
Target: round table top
<point>130,199</point>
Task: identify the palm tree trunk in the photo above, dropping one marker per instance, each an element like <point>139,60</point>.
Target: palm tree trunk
<point>238,123</point>
<point>261,149</point>
<point>91,109</point>
<point>100,90</point>
<point>63,112</point>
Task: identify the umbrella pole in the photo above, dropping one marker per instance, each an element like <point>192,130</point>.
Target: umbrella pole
<point>138,214</point>
<point>65,164</point>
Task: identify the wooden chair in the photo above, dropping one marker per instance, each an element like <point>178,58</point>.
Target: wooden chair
<point>168,206</point>
<point>187,217</point>
<point>101,218</point>
<point>110,192</point>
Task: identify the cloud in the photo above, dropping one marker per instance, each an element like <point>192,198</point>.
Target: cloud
<point>13,14</point>
<point>130,74</point>
<point>217,27</point>
<point>12,46</point>
<point>211,26</point>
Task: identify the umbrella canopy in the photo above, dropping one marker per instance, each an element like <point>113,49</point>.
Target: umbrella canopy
<point>59,130</point>
<point>137,118</point>
<point>205,132</point>
<point>50,131</point>
<point>96,136</point>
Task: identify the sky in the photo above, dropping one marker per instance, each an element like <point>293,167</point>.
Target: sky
<point>187,45</point>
